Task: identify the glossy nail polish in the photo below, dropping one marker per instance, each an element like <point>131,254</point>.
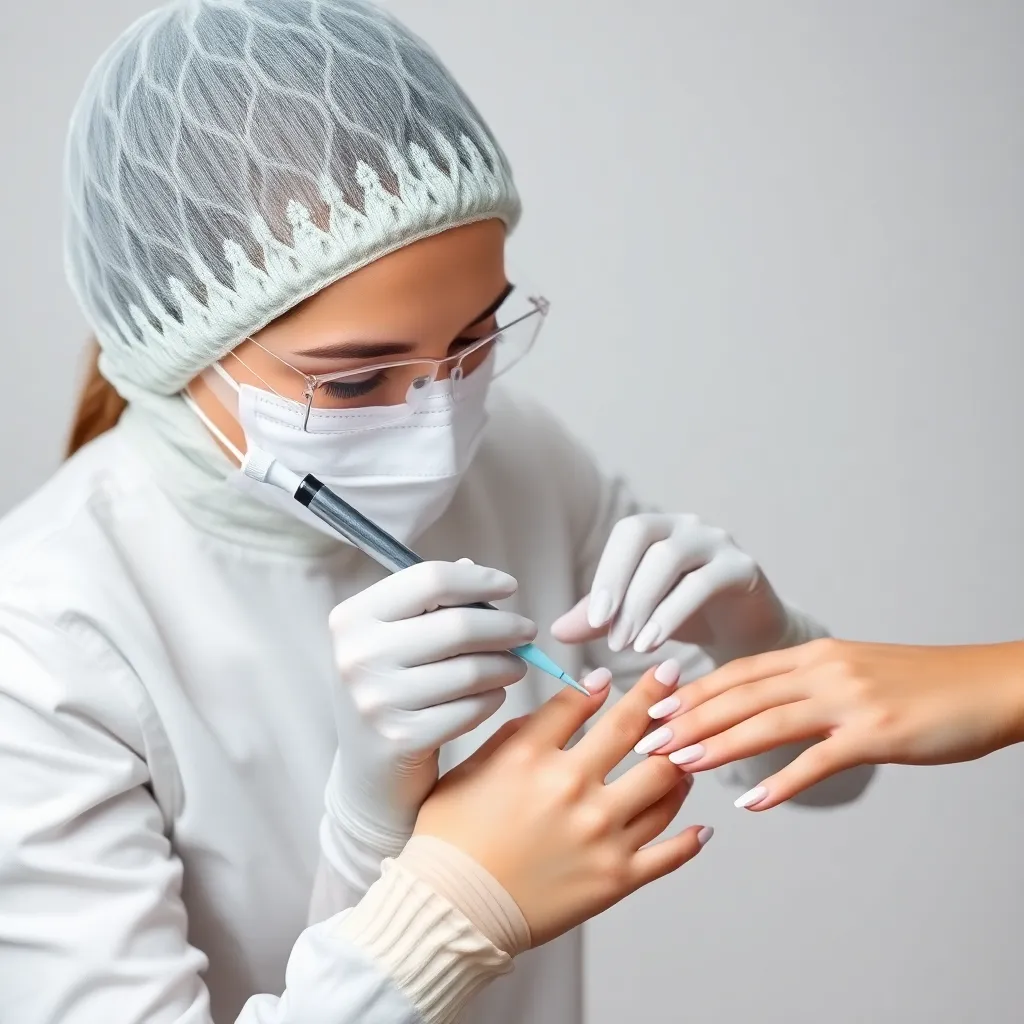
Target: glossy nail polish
<point>653,740</point>
<point>751,797</point>
<point>664,708</point>
<point>667,672</point>
<point>688,755</point>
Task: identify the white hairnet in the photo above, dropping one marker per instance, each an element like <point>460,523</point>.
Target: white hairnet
<point>228,158</point>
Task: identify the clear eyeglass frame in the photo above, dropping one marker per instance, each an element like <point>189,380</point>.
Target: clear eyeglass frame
<point>511,342</point>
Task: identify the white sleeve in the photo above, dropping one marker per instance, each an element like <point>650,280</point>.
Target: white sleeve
<point>92,923</point>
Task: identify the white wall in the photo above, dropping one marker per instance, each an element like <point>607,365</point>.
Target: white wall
<point>784,244</point>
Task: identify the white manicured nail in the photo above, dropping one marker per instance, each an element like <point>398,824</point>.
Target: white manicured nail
<point>649,638</point>
<point>752,797</point>
<point>667,672</point>
<point>599,609</point>
<point>597,680</point>
<point>664,707</point>
<point>656,739</point>
<point>704,835</point>
<point>688,754</point>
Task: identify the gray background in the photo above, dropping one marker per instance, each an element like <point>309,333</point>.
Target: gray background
<point>784,245</point>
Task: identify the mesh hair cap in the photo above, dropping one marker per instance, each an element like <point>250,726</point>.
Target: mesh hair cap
<point>229,158</point>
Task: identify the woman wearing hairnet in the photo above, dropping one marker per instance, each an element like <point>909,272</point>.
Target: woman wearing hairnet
<point>286,226</point>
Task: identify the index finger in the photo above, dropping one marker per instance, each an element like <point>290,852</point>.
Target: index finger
<point>559,718</point>
<point>737,673</point>
<point>618,732</point>
<point>628,541</point>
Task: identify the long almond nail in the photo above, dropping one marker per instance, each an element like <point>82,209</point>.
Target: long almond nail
<point>656,739</point>
<point>687,755</point>
<point>664,707</point>
<point>751,797</point>
<point>667,673</point>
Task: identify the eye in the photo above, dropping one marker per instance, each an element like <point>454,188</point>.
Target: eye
<point>342,389</point>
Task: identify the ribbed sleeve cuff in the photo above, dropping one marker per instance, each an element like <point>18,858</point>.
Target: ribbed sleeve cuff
<point>429,948</point>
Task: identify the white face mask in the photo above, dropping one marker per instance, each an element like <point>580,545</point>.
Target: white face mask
<point>400,471</point>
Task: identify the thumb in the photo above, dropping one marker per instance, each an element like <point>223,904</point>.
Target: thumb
<point>573,627</point>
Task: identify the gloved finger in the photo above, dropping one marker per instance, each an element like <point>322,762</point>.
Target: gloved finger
<point>653,820</point>
<point>560,717</point>
<point>628,541</point>
<point>574,626</point>
<point>640,788</point>
<point>660,859</point>
<point>729,569</point>
<point>791,723</point>
<point>730,708</point>
<point>663,565</point>
<point>419,732</point>
<point>738,673</point>
<point>423,588</point>
<point>829,757</point>
<point>450,632</point>
<point>616,733</point>
<point>464,676</point>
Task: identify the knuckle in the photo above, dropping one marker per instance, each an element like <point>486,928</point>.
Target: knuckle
<point>632,528</point>
<point>592,820</point>
<point>612,869</point>
<point>824,649</point>
<point>560,786</point>
<point>664,550</point>
<point>744,566</point>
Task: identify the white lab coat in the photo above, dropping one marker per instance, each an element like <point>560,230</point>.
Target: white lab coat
<point>166,730</point>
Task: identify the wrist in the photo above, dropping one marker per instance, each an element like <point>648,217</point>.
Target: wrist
<point>472,889</point>
<point>386,833</point>
<point>1008,661</point>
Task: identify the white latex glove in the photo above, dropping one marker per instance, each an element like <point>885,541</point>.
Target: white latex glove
<point>414,672</point>
<point>671,577</point>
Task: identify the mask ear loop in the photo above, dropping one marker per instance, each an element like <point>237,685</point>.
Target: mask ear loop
<point>225,390</point>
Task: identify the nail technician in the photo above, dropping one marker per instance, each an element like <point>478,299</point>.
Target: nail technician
<point>286,226</point>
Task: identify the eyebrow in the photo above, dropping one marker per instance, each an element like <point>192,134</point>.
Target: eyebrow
<point>376,349</point>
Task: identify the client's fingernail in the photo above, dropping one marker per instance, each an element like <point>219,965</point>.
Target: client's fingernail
<point>704,835</point>
<point>599,608</point>
<point>688,754</point>
<point>664,707</point>
<point>752,797</point>
<point>649,638</point>
<point>656,739</point>
<point>597,680</point>
<point>668,672</point>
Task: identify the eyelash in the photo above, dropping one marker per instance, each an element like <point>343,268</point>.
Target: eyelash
<point>342,389</point>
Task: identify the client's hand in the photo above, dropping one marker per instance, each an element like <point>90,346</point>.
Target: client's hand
<point>542,821</point>
<point>868,704</point>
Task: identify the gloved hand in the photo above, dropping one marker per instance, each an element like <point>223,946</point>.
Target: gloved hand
<point>415,671</point>
<point>665,577</point>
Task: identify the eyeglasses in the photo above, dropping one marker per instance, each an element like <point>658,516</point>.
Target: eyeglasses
<point>401,383</point>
